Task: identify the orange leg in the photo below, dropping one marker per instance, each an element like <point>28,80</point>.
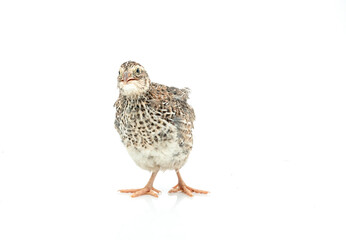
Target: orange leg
<point>181,186</point>
<point>147,190</point>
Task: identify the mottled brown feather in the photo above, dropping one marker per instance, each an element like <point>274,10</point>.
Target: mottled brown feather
<point>166,103</point>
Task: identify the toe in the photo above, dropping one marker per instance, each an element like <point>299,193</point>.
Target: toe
<point>152,193</point>
<point>174,190</point>
<point>140,192</point>
<point>144,191</point>
<point>128,190</point>
<point>187,191</point>
<point>197,190</point>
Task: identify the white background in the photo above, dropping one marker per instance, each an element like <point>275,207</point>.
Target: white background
<point>268,88</point>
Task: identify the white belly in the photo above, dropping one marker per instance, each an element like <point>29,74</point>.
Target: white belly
<point>161,156</point>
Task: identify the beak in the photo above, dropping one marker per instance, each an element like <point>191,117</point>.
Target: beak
<point>126,77</point>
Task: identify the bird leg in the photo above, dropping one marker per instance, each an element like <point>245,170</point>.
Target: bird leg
<point>147,190</point>
<point>181,186</point>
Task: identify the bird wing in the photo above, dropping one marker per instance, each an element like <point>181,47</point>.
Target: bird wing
<point>119,109</point>
<point>171,104</point>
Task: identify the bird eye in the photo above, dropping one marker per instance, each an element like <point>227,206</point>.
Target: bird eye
<point>137,70</point>
<point>119,72</point>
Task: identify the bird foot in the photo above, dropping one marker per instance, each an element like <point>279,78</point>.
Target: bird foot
<point>141,191</point>
<point>182,187</point>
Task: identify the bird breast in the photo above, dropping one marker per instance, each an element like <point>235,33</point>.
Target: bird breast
<point>152,142</point>
<point>141,126</point>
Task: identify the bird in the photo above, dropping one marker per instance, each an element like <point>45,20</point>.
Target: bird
<point>155,124</point>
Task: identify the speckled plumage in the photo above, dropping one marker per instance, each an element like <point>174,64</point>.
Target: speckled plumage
<point>155,124</point>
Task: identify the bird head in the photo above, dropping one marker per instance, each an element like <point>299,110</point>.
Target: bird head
<point>133,80</point>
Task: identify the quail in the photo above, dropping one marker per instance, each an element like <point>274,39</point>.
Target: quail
<point>155,124</point>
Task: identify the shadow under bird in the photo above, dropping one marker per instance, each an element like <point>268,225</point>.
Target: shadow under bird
<point>155,124</point>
